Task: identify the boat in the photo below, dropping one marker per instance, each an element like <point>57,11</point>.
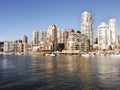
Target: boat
<point>19,53</point>
<point>47,54</point>
<point>85,55</point>
<point>115,55</point>
<point>52,54</point>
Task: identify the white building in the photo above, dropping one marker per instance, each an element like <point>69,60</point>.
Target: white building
<point>87,26</point>
<point>53,30</point>
<point>113,29</point>
<point>8,46</point>
<point>53,33</point>
<point>104,36</point>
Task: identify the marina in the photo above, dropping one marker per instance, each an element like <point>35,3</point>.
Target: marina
<point>71,53</point>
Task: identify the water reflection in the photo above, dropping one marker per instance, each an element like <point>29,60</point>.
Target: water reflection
<point>64,70</point>
<point>107,71</point>
<point>61,72</point>
<point>4,63</point>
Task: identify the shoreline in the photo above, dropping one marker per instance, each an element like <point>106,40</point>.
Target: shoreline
<point>56,53</point>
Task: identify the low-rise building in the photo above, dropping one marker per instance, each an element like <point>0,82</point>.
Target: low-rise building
<point>8,46</point>
<point>77,41</point>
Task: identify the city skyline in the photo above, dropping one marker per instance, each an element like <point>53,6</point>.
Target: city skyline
<point>22,17</point>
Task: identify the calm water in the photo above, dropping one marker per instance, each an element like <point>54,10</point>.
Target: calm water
<point>59,73</point>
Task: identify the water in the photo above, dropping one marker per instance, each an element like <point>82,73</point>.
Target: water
<point>59,73</point>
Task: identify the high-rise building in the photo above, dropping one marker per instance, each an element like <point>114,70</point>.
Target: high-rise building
<point>70,31</point>
<point>87,26</point>
<point>62,37</point>
<point>35,38</point>
<point>25,39</point>
<point>43,35</point>
<point>24,43</point>
<point>104,36</point>
<point>113,28</point>
<point>53,30</point>
<point>53,33</point>
<point>59,36</point>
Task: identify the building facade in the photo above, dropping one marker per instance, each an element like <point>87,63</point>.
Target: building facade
<point>8,47</point>
<point>25,39</point>
<point>72,41</point>
<point>113,28</point>
<point>77,41</point>
<point>43,35</point>
<point>25,43</point>
<point>35,38</point>
<point>104,36</point>
<point>53,33</point>
<point>18,46</point>
<point>87,26</point>
<point>62,37</point>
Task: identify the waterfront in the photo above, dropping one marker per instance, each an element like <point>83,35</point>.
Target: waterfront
<point>59,73</point>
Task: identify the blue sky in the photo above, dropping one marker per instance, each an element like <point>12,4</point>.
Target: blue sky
<point>22,17</point>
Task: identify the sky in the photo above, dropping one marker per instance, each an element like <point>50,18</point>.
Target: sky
<point>22,17</point>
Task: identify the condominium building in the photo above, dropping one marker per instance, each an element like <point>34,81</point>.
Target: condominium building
<point>35,38</point>
<point>62,37</point>
<point>53,30</point>
<point>77,41</point>
<point>104,36</point>
<point>84,43</point>
<point>25,39</point>
<point>43,35</point>
<point>8,46</point>
<point>70,31</point>
<point>53,33</point>
<point>72,41</point>
<point>25,43</point>
<point>113,28</point>
<point>87,26</point>
<point>59,36</point>
<point>18,46</point>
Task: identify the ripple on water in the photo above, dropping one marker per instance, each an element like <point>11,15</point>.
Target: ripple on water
<point>59,73</point>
